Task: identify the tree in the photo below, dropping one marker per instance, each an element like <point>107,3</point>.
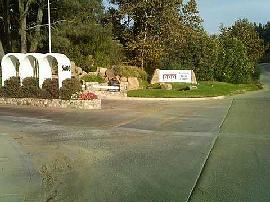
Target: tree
<point>85,38</point>
<point>245,31</point>
<point>152,27</point>
<point>233,65</point>
<point>264,33</point>
<point>24,7</point>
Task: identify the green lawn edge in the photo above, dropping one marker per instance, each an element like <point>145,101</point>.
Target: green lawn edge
<point>205,89</point>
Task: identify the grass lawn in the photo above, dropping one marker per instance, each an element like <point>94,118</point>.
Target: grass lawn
<point>205,89</point>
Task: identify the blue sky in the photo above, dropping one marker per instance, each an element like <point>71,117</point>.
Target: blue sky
<point>215,12</point>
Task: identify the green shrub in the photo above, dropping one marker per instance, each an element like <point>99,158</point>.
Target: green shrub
<point>180,86</point>
<point>1,91</point>
<point>234,65</point>
<point>130,71</point>
<point>30,88</point>
<point>70,87</point>
<point>50,89</point>
<point>12,87</point>
<point>93,78</point>
<point>154,86</point>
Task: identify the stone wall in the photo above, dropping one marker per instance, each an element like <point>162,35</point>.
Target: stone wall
<point>53,103</point>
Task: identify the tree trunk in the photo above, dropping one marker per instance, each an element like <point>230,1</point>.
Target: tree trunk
<point>36,40</point>
<point>7,28</point>
<point>24,8</point>
<point>23,35</point>
<point>2,53</point>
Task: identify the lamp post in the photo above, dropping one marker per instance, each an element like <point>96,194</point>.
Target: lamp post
<point>49,24</point>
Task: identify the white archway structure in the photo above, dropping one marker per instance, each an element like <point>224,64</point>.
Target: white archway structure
<point>35,65</point>
<point>9,64</point>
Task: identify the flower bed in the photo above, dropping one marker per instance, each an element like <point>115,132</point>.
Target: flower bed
<point>53,103</point>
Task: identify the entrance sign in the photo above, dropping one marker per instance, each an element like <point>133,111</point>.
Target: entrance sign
<point>175,76</point>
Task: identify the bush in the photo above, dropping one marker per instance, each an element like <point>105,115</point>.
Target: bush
<point>234,65</point>
<point>12,88</point>
<point>50,89</point>
<point>1,91</point>
<point>130,71</point>
<point>181,86</point>
<point>30,88</point>
<point>93,78</point>
<point>70,87</point>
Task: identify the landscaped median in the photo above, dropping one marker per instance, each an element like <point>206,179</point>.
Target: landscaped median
<point>204,89</point>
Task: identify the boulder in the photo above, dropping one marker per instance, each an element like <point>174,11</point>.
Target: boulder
<point>193,78</point>
<point>110,74</point>
<point>83,74</point>
<point>123,79</point>
<point>75,70</point>
<point>118,78</point>
<point>102,71</point>
<point>133,83</point>
<point>155,78</point>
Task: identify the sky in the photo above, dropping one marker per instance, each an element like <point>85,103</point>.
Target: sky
<point>217,12</point>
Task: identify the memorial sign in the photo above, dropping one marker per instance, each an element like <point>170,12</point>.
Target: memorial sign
<point>175,76</point>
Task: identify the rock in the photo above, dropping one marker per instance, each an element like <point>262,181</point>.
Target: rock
<point>73,68</point>
<point>155,78</point>
<point>83,74</point>
<point>102,71</point>
<point>75,71</point>
<point>118,78</point>
<point>123,79</point>
<point>193,78</point>
<point>133,83</point>
<point>110,74</point>
<point>166,86</point>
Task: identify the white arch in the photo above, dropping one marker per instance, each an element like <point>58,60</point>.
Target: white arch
<point>64,66</point>
<point>44,68</point>
<point>8,64</point>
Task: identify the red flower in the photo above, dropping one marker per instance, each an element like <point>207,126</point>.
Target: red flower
<point>88,96</point>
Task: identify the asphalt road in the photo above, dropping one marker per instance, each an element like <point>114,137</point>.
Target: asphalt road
<point>238,167</point>
<point>138,151</point>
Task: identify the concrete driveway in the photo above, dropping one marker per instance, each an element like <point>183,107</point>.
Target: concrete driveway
<point>135,151</point>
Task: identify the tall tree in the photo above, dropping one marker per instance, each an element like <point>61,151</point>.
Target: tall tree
<point>153,26</point>
<point>84,37</point>
<point>245,31</point>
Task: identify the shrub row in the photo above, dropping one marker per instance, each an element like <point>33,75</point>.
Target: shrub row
<point>30,88</point>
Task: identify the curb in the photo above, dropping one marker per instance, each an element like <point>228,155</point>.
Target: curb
<point>163,99</point>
